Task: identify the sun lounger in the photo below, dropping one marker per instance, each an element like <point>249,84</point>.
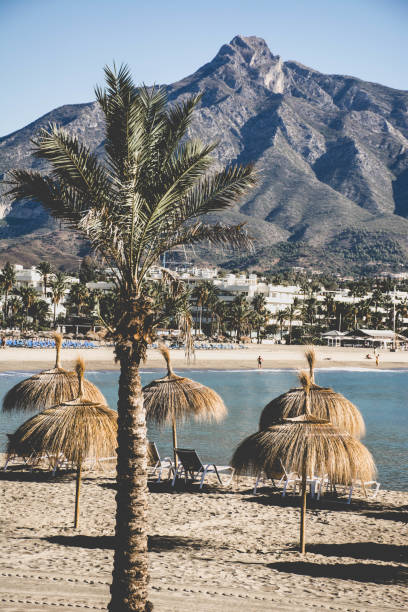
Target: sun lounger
<point>18,454</point>
<point>373,484</point>
<point>156,464</point>
<point>190,466</point>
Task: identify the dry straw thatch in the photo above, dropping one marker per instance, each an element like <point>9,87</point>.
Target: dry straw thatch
<point>324,404</point>
<point>76,430</point>
<point>308,446</point>
<point>176,398</point>
<point>48,388</point>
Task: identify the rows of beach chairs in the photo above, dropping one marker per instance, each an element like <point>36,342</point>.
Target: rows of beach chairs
<point>208,346</point>
<point>46,344</point>
<point>189,467</point>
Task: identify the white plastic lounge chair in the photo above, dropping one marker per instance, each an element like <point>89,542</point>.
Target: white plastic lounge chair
<point>156,463</point>
<point>190,466</point>
<point>325,482</point>
<point>288,479</point>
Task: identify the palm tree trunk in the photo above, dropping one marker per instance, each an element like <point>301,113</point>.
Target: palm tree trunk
<point>174,441</point>
<point>55,313</point>
<point>130,571</point>
<point>77,494</point>
<point>303,514</point>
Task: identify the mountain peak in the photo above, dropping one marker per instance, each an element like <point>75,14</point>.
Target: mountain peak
<point>249,48</point>
<point>249,55</point>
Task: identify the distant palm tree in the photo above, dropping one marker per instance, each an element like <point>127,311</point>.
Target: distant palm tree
<point>45,269</point>
<point>259,305</point>
<point>281,318</point>
<point>144,198</point>
<point>7,281</point>
<point>79,295</point>
<point>28,296</point>
<point>15,308</point>
<point>240,313</point>
<point>292,311</point>
<point>40,311</point>
<point>58,287</point>
<point>201,293</point>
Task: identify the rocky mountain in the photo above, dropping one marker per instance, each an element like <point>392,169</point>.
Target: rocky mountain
<point>332,155</point>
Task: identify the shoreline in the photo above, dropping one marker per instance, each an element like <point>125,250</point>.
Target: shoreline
<point>275,357</point>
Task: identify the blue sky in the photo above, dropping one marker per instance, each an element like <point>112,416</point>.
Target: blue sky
<point>53,51</point>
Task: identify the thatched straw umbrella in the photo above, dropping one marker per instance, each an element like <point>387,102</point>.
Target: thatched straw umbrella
<point>76,430</point>
<point>324,403</point>
<point>48,388</point>
<point>306,445</point>
<point>176,398</point>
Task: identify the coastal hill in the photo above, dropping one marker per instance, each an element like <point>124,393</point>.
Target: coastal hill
<point>332,155</point>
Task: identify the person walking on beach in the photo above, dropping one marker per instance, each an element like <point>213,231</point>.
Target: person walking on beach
<point>259,360</point>
<point>377,359</point>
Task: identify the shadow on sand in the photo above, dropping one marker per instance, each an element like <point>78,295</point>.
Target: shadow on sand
<point>362,550</point>
<point>156,543</point>
<point>359,572</point>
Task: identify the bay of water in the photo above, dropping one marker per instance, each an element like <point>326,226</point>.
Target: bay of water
<point>381,396</point>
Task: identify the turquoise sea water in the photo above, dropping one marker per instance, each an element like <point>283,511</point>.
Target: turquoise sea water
<point>381,396</point>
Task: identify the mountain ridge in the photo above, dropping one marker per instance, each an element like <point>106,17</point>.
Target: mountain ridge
<point>331,150</point>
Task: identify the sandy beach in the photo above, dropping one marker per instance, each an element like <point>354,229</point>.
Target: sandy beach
<point>219,549</point>
<point>274,356</point>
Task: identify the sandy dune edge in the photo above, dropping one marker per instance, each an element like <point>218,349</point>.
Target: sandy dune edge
<point>216,550</point>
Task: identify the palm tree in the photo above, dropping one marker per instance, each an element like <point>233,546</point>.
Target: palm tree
<point>7,280</point>
<point>79,296</point>
<point>146,197</point>
<point>15,307</point>
<point>45,269</point>
<point>281,318</point>
<point>58,287</point>
<point>201,293</point>
<point>291,312</point>
<point>259,306</point>
<point>240,313</point>
<point>40,311</point>
<point>28,297</point>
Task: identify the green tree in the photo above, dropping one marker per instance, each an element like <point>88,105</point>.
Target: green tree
<point>292,312</point>
<point>58,287</point>
<point>45,269</point>
<point>28,296</point>
<point>40,312</point>
<point>88,270</point>
<point>78,296</point>
<point>240,313</point>
<point>259,305</point>
<point>145,198</point>
<point>7,280</point>
<point>201,293</point>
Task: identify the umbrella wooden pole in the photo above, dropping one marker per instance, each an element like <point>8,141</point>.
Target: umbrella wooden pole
<point>174,442</point>
<point>77,494</point>
<point>303,513</point>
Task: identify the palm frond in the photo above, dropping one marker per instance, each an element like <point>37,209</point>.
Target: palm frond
<point>73,164</point>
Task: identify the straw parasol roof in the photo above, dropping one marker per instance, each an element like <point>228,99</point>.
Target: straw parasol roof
<point>48,388</point>
<point>176,398</point>
<point>308,446</point>
<point>77,430</point>
<point>324,403</point>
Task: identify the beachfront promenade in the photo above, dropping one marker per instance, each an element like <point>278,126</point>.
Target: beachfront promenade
<point>274,356</point>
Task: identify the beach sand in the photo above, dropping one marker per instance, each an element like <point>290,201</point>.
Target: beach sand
<point>221,550</point>
<point>274,356</point>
